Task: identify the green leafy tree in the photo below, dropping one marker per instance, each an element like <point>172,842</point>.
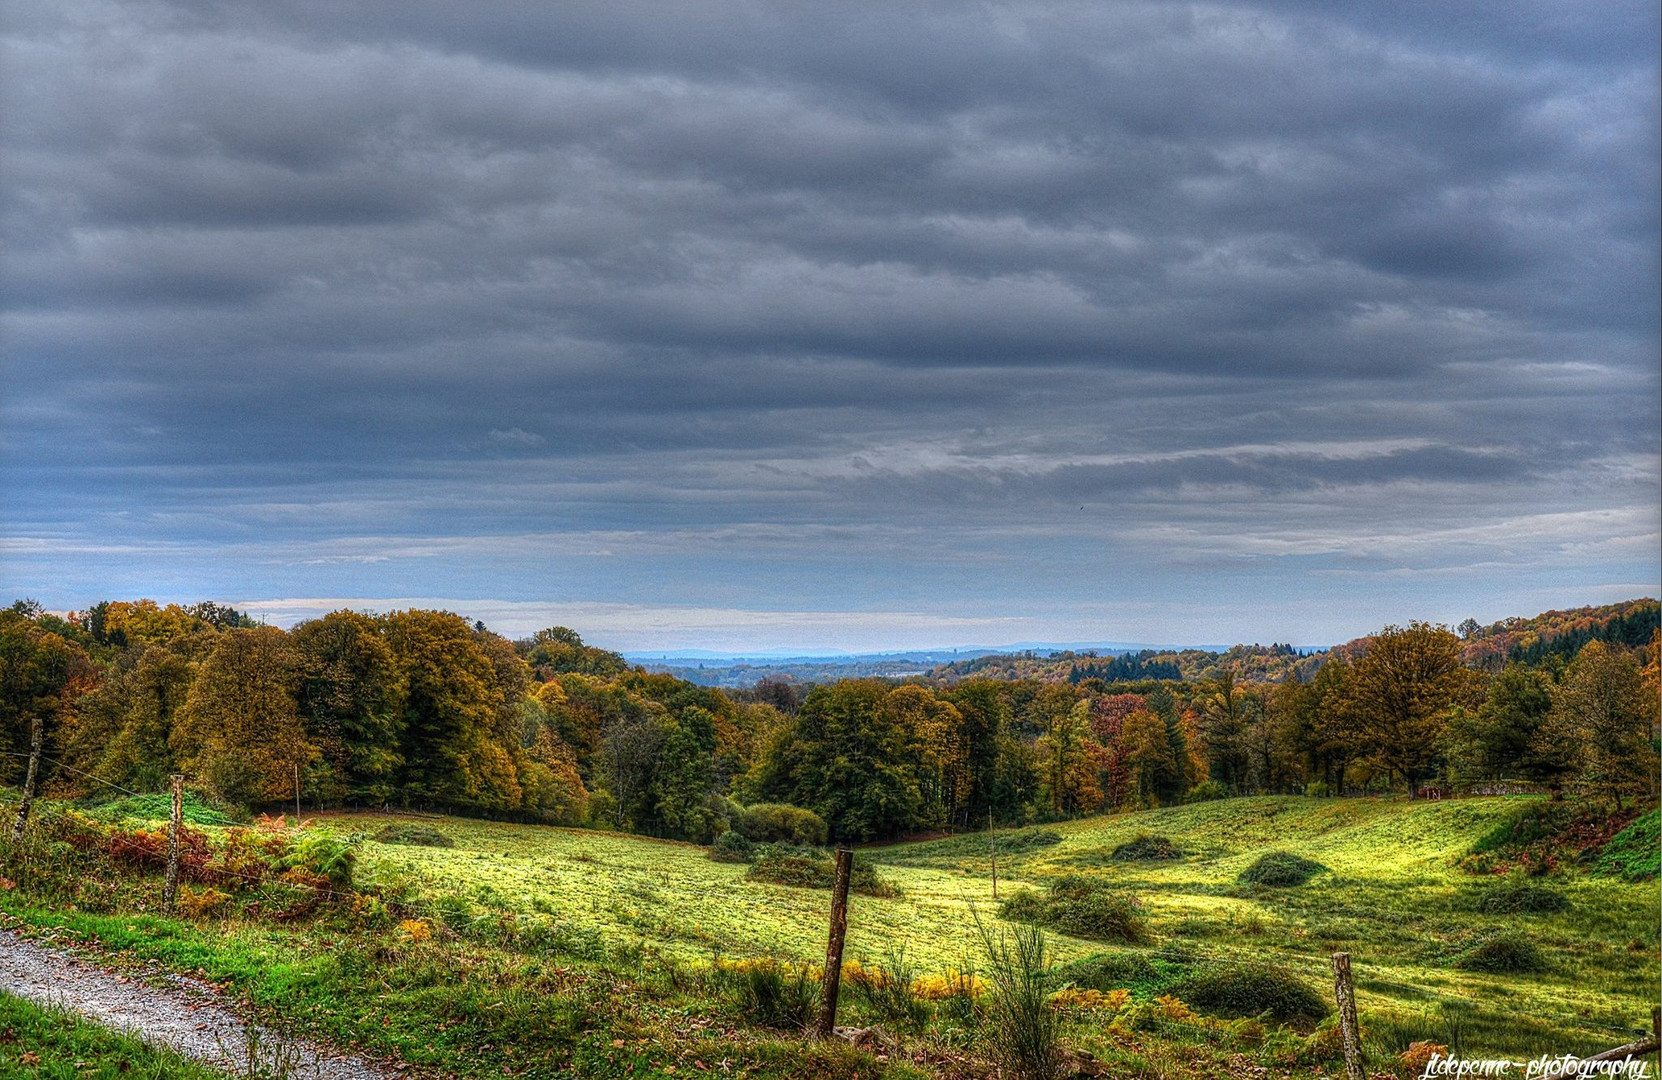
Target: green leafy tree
<point>350,694</point>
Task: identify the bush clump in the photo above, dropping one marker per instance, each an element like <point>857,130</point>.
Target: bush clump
<point>781,864</point>
<point>1109,971</point>
<point>415,834</point>
<point>1518,897</point>
<point>1634,853</point>
<point>1081,907</point>
<point>1253,989</point>
<point>193,808</point>
<point>1507,954</point>
<point>1146,847</point>
<point>778,823</point>
<point>1280,869</point>
<point>1023,840</point>
<point>732,847</point>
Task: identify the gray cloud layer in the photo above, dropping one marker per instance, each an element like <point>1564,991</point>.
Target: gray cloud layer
<point>1040,311</point>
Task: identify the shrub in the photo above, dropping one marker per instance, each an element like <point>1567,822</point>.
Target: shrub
<point>777,822</point>
<point>1280,869</point>
<point>324,855</point>
<point>1081,907</point>
<point>199,904</point>
<point>785,865</point>
<point>1207,792</point>
<point>1106,971</point>
<point>1507,954</point>
<point>193,808</point>
<point>1146,847</point>
<point>1252,989</point>
<point>732,847</point>
<point>416,834</point>
<point>1024,840</point>
<point>1024,1026</point>
<point>1634,853</point>
<point>1515,896</point>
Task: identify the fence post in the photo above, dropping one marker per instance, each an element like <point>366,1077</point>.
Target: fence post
<point>28,784</point>
<point>831,981</point>
<point>170,890</point>
<point>992,845</point>
<point>1346,993</point>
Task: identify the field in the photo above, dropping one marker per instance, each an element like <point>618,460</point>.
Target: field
<point>1394,900</point>
<point>580,950</point>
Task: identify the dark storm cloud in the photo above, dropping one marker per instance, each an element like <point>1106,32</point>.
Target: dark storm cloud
<point>317,284</point>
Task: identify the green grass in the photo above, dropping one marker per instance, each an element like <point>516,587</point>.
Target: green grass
<point>55,1045</point>
<point>618,922</point>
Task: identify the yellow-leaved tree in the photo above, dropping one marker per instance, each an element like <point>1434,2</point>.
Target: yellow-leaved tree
<point>240,732</point>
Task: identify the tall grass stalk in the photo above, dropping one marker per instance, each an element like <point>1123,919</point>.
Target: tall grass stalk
<point>1023,1023</point>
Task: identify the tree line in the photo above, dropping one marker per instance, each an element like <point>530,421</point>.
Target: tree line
<point>422,708</point>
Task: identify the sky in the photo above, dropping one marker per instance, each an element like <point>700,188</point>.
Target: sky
<point>747,326</point>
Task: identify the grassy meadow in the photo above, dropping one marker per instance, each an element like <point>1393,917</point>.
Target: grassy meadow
<point>1393,899</point>
<point>565,949</point>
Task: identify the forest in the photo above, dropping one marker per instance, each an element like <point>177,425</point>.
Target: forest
<point>424,709</point>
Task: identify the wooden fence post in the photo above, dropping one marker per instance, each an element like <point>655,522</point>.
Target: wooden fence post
<point>170,889</point>
<point>28,784</point>
<point>831,981</point>
<point>992,845</point>
<point>1346,993</point>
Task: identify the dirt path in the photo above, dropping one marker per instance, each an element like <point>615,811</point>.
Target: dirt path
<point>186,1017</point>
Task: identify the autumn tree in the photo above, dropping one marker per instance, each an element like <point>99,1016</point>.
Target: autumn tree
<point>934,748</point>
<point>1068,764</point>
<point>41,675</point>
<point>1400,694</point>
<point>1603,713</point>
<point>120,731</point>
<point>1155,773</point>
<point>451,712</point>
<point>240,731</point>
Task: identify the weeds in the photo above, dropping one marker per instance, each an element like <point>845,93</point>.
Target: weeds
<point>889,990</point>
<point>1024,1026</point>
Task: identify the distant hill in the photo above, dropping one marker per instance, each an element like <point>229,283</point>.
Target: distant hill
<point>1630,623</point>
<point>1562,633</point>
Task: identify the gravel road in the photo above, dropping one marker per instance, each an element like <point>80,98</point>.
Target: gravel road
<point>186,1017</point>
